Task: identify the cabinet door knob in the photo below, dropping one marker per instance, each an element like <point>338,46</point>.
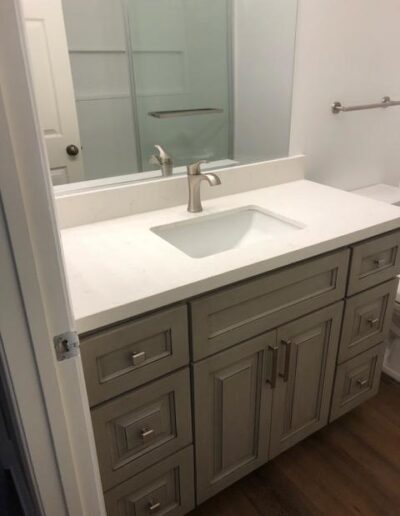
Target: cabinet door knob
<point>72,150</point>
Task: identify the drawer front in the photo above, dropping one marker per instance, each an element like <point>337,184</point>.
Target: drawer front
<point>367,319</point>
<point>166,488</point>
<point>139,428</point>
<point>124,357</point>
<point>374,262</point>
<point>237,313</point>
<point>356,381</point>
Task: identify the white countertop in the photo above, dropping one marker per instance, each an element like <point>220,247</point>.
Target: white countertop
<point>118,268</point>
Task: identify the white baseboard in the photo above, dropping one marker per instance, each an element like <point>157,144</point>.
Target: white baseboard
<point>391,372</point>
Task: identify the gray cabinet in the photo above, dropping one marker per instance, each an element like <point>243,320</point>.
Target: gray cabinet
<point>367,319</point>
<point>136,430</point>
<point>305,374</point>
<point>166,489</point>
<point>271,363</point>
<point>234,314</point>
<point>356,381</point>
<point>130,354</point>
<point>374,261</point>
<point>232,401</point>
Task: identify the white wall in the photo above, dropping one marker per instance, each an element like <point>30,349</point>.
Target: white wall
<point>264,44</point>
<point>347,51</point>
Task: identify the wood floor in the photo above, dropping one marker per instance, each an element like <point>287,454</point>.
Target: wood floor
<point>351,467</point>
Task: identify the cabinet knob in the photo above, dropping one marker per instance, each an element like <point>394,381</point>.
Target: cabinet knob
<point>373,321</point>
<point>138,358</point>
<point>379,262</point>
<point>362,382</point>
<point>154,506</point>
<point>147,434</point>
<point>72,150</point>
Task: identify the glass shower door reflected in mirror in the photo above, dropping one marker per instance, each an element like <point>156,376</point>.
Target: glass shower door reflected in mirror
<point>181,63</point>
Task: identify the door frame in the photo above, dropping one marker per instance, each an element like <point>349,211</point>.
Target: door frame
<point>34,244</point>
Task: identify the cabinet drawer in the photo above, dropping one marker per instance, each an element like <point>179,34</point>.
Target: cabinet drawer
<point>166,488</point>
<point>367,319</point>
<point>356,381</point>
<point>138,429</point>
<point>374,262</point>
<point>237,313</point>
<point>126,356</point>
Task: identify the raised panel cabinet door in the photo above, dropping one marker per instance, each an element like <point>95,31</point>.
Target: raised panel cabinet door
<point>305,375</point>
<point>232,414</point>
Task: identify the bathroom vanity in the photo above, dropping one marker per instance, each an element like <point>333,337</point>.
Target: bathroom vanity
<point>191,396</point>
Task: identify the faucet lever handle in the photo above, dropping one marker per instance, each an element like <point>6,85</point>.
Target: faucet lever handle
<point>194,168</point>
<point>161,157</point>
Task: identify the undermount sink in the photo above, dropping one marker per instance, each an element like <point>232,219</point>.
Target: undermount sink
<point>234,229</point>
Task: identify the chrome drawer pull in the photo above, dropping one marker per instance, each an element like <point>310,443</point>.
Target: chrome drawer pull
<point>154,506</point>
<point>147,434</point>
<point>379,262</point>
<point>362,382</point>
<point>373,322</point>
<point>138,358</point>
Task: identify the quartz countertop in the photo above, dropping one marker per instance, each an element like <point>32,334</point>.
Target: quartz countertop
<point>119,268</point>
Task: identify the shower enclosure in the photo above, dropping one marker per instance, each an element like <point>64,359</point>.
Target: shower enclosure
<point>151,72</point>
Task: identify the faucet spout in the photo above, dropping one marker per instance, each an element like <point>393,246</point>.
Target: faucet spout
<point>213,180</point>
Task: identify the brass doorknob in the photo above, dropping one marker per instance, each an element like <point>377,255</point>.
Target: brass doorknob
<point>72,150</point>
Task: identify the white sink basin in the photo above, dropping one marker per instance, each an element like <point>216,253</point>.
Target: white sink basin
<point>234,229</point>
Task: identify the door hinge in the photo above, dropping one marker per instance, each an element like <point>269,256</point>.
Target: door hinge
<point>66,345</point>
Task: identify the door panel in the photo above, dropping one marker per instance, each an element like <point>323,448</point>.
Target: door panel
<point>52,81</point>
<point>232,414</point>
<point>307,358</point>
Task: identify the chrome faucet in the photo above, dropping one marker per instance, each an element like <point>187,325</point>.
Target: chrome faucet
<point>163,160</point>
<point>195,177</point>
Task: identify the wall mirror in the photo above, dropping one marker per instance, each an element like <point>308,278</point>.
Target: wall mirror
<point>204,79</point>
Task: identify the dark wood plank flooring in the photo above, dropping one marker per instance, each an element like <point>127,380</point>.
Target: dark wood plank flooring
<point>351,467</point>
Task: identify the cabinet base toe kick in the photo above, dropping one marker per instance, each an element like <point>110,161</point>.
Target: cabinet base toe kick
<point>255,367</point>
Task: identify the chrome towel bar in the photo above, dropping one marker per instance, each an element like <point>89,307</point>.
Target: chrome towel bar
<point>384,103</point>
<point>185,112</point>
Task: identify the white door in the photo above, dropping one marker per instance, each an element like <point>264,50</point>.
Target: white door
<point>28,204</point>
<point>51,71</point>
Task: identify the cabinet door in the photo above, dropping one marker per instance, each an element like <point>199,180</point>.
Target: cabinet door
<point>307,359</point>
<point>232,414</point>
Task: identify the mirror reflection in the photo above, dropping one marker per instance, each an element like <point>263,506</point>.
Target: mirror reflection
<point>137,89</point>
